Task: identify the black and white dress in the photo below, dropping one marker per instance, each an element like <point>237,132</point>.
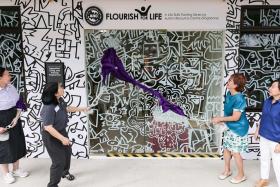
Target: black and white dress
<point>13,149</point>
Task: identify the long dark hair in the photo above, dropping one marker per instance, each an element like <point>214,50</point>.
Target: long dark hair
<point>48,95</point>
<point>2,70</point>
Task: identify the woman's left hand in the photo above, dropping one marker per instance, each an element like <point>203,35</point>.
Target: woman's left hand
<point>277,148</point>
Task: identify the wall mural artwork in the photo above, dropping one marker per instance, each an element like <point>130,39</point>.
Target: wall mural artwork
<point>259,51</point>
<point>183,66</point>
<point>10,17</point>
<point>259,60</point>
<point>233,33</point>
<point>52,32</point>
<point>261,17</point>
<point>11,55</point>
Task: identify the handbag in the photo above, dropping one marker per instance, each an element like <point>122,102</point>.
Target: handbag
<point>4,136</point>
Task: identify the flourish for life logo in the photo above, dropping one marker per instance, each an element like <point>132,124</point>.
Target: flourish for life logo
<point>93,16</point>
<point>143,12</point>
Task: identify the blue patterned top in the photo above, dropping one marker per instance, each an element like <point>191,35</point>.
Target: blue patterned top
<point>233,103</point>
<point>270,120</point>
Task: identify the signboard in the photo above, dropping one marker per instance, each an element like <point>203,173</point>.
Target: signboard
<point>55,72</point>
<point>182,15</point>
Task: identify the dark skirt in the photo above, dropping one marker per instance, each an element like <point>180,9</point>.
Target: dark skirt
<point>14,148</point>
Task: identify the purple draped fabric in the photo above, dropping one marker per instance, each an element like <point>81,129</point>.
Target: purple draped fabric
<point>21,105</point>
<point>112,64</point>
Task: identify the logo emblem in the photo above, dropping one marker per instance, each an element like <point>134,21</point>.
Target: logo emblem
<point>93,16</point>
<point>143,12</point>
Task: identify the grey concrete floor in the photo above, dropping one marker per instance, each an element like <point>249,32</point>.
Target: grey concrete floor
<point>138,172</point>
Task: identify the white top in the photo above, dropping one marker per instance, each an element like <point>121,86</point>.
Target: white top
<point>8,97</point>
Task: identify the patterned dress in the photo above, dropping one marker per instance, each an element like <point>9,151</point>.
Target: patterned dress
<point>236,136</point>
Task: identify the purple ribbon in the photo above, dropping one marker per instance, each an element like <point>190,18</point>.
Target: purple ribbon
<point>112,64</point>
<point>20,104</point>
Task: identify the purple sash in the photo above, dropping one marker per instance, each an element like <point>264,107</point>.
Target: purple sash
<point>112,64</point>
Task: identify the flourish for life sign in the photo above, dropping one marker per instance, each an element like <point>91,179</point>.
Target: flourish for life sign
<point>182,15</point>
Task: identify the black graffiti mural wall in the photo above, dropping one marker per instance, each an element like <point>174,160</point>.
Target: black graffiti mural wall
<point>259,51</point>
<point>11,55</point>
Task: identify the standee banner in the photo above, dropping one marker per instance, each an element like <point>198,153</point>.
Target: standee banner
<point>55,73</point>
<point>170,15</point>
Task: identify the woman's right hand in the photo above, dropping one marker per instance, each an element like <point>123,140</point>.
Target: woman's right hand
<point>2,130</point>
<point>65,141</point>
<point>216,120</point>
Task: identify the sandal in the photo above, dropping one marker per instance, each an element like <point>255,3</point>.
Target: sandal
<point>236,181</point>
<point>224,176</point>
<point>68,176</point>
<point>262,183</point>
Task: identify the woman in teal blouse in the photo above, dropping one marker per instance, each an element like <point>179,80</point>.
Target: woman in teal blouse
<point>235,137</point>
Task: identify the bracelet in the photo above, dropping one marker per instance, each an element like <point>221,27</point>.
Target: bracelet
<point>8,126</point>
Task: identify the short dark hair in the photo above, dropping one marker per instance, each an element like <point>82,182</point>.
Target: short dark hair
<point>2,70</point>
<point>240,80</point>
<point>48,95</point>
<point>276,80</point>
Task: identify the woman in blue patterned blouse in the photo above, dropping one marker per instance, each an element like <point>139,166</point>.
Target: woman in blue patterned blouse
<point>269,131</point>
<point>236,135</point>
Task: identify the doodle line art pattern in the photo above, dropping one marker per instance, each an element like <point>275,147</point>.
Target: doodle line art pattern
<point>11,56</point>
<point>259,54</point>
<point>257,17</point>
<point>52,32</point>
<point>183,66</point>
<point>259,51</point>
<point>249,58</point>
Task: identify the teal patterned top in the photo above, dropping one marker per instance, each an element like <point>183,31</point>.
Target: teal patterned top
<point>233,103</point>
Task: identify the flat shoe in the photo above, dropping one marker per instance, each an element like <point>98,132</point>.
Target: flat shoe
<point>223,176</point>
<point>235,181</point>
<point>262,183</point>
<point>68,176</point>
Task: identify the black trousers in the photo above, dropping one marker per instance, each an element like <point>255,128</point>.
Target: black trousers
<point>60,156</point>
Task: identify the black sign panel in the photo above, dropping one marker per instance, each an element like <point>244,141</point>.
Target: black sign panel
<point>55,72</point>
